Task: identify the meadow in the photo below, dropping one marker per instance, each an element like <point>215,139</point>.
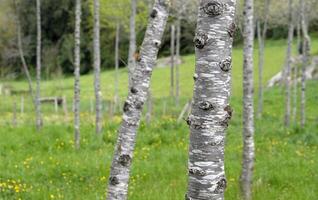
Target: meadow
<point>44,165</point>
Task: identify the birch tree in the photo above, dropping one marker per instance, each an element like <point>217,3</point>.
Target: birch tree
<point>172,54</point>
<point>38,66</point>
<point>211,111</point>
<point>305,57</point>
<point>248,94</point>
<point>77,63</point>
<point>120,169</point>
<point>261,35</point>
<point>288,65</point>
<point>132,41</point>
<point>97,61</point>
<point>116,99</point>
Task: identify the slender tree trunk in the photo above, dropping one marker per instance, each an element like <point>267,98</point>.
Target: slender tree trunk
<point>177,64</point>
<point>119,175</point>
<point>296,78</point>
<point>211,111</point>
<point>116,65</point>
<point>261,35</point>
<point>248,110</point>
<point>305,57</point>
<point>172,54</point>
<point>288,65</point>
<point>77,59</point>
<point>98,93</point>
<point>132,41</point>
<point>38,66</point>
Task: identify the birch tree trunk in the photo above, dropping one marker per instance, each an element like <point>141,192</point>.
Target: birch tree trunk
<point>288,65</point>
<point>296,77</point>
<point>116,98</point>
<point>248,110</point>
<point>132,41</point>
<point>178,58</point>
<point>98,93</point>
<point>119,174</point>
<point>261,35</point>
<point>77,62</point>
<point>305,57</point>
<point>38,66</point>
<point>172,54</point>
<point>211,111</point>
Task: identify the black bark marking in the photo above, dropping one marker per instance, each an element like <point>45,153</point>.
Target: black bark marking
<point>133,90</point>
<point>205,105</point>
<point>194,124</point>
<point>186,197</point>
<point>157,43</point>
<point>213,8</point>
<point>200,40</point>
<point>226,65</point>
<point>126,107</point>
<point>197,172</point>
<point>232,29</point>
<point>124,160</point>
<point>195,77</point>
<point>154,13</point>
<point>221,185</point>
<point>228,116</point>
<point>113,180</point>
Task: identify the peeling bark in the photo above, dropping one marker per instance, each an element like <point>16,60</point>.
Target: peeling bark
<point>210,113</point>
<point>288,65</point>
<point>98,93</point>
<point>132,41</point>
<point>38,67</point>
<point>77,63</point>
<point>248,110</point>
<point>120,169</point>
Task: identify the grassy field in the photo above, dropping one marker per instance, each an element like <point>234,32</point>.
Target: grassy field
<point>45,165</point>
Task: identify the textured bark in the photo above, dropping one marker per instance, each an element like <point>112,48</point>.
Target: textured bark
<point>177,64</point>
<point>38,67</point>
<point>132,41</point>
<point>119,175</point>
<point>248,110</point>
<point>261,35</point>
<point>211,112</point>
<point>116,101</point>
<point>288,65</point>
<point>77,62</point>
<point>172,53</point>
<point>98,93</point>
<point>306,52</point>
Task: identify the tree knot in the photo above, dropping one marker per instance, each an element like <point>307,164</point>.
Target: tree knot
<point>228,116</point>
<point>154,13</point>
<point>133,90</point>
<point>197,172</point>
<point>226,65</point>
<point>213,8</point>
<point>124,160</point>
<point>220,186</point>
<point>205,105</point>
<point>231,30</point>
<point>200,40</point>
<point>113,180</point>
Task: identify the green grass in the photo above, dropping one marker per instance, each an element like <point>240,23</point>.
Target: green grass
<point>45,166</point>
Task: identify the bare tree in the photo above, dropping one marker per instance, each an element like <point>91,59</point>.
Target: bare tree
<point>98,93</point>
<point>77,64</point>
<point>248,94</point>
<point>38,66</point>
<point>288,64</point>
<point>261,35</point>
<point>172,53</point>
<point>295,73</point>
<point>211,111</point>
<point>132,41</point>
<point>305,57</point>
<point>119,175</point>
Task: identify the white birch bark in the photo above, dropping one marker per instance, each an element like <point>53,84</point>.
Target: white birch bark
<point>132,41</point>
<point>211,111</point>
<point>296,76</point>
<point>119,174</point>
<point>116,98</point>
<point>77,63</point>
<point>172,54</point>
<point>248,110</point>
<point>98,93</point>
<point>38,66</point>
<point>288,65</point>
<point>261,35</point>
<point>178,58</point>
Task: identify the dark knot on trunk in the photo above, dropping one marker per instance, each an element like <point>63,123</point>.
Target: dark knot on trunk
<point>200,40</point>
<point>226,65</point>
<point>213,8</point>
<point>231,30</point>
<point>197,172</point>
<point>228,116</point>
<point>133,90</point>
<point>187,197</point>
<point>153,13</point>
<point>195,77</point>
<point>124,160</point>
<point>205,105</point>
<point>194,124</point>
<point>221,186</point>
<point>113,180</point>
<point>126,106</point>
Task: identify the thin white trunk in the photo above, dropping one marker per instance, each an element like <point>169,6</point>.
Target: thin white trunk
<point>177,64</point>
<point>211,111</point>
<point>77,64</point>
<point>132,41</point>
<point>288,65</point>
<point>116,101</point>
<point>248,110</point>
<point>172,53</point>
<point>296,77</point>
<point>120,170</point>
<point>98,93</point>
<point>39,122</point>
